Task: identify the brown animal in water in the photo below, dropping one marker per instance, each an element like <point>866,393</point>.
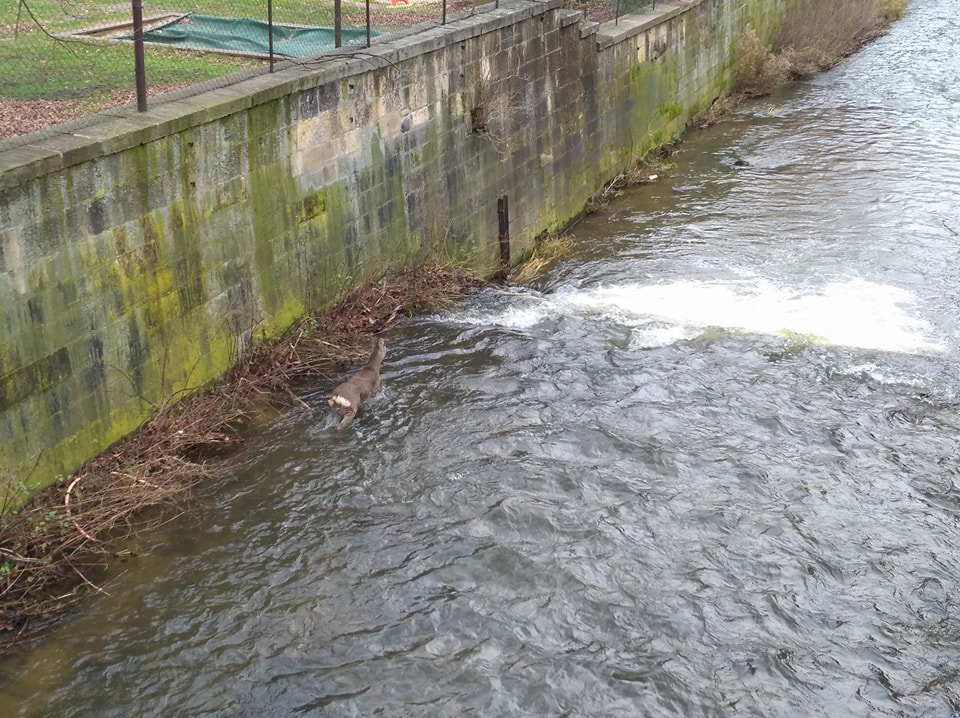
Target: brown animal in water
<point>349,396</point>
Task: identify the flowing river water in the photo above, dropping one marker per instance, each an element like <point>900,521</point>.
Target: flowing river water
<point>708,466</point>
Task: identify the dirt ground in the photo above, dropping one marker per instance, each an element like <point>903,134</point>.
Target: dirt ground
<point>19,117</point>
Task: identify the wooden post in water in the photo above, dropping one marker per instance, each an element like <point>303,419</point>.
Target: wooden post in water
<point>503,216</point>
<point>139,66</point>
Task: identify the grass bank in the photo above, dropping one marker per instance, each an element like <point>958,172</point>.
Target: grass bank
<point>54,549</point>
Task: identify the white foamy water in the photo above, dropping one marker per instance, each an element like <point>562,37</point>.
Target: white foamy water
<point>854,312</point>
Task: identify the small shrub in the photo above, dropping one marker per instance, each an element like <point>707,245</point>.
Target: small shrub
<point>891,10</point>
<point>758,71</point>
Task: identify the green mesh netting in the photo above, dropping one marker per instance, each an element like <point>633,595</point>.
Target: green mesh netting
<point>251,37</point>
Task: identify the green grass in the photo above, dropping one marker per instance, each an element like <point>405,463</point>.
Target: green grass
<point>48,69</point>
<point>39,65</point>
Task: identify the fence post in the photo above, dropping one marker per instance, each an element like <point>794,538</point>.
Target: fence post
<point>443,20</point>
<point>368,23</point>
<point>270,31</point>
<point>16,27</point>
<point>139,66</point>
<point>337,23</point>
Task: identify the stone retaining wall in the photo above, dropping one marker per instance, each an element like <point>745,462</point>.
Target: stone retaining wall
<point>142,254</point>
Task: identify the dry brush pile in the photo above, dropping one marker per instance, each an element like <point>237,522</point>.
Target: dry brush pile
<point>54,549</point>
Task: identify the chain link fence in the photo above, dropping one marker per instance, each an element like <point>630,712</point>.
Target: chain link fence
<point>64,59</point>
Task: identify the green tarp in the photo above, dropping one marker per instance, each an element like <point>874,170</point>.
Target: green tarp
<point>250,37</point>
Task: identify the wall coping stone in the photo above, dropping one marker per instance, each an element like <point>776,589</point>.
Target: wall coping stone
<point>614,32</point>
<point>569,17</point>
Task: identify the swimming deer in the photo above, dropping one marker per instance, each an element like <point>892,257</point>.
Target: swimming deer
<point>349,396</point>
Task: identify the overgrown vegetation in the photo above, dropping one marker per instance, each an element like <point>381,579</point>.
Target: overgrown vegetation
<point>818,34</point>
<point>54,549</point>
<point>814,36</point>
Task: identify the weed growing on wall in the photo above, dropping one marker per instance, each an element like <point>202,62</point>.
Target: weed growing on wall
<point>549,250</point>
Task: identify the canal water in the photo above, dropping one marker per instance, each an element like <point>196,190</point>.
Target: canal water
<point>709,465</point>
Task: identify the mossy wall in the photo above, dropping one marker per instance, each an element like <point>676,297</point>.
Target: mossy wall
<point>142,254</point>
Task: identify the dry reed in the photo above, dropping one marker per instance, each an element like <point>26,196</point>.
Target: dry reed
<point>549,250</point>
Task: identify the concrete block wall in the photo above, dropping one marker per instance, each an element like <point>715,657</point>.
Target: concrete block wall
<point>141,255</point>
